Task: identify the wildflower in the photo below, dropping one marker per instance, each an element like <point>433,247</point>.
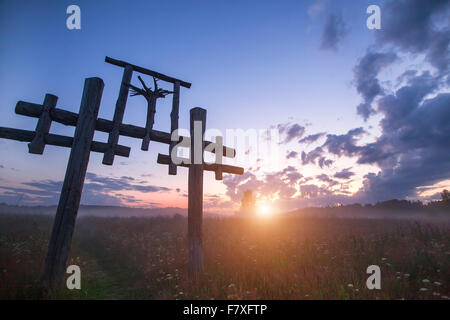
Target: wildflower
<point>423,289</point>
<point>436,283</point>
<point>350,285</point>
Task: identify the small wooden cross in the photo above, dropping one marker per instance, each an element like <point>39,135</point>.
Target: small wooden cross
<point>195,184</point>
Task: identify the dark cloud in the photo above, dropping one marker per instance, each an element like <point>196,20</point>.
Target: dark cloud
<point>312,138</point>
<point>413,27</point>
<point>324,162</point>
<point>414,147</point>
<point>292,155</point>
<point>334,32</point>
<point>344,174</point>
<point>290,131</point>
<point>316,157</point>
<point>325,178</point>
<point>312,156</point>
<point>418,27</point>
<point>344,144</point>
<point>366,81</point>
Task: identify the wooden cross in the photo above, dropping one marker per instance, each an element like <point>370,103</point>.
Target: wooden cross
<point>86,123</point>
<point>197,165</point>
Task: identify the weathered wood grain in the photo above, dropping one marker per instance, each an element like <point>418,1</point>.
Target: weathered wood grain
<point>60,141</point>
<point>69,201</point>
<point>195,196</point>
<point>225,168</point>
<point>113,138</point>
<point>37,145</point>
<point>174,115</point>
<point>70,119</point>
<point>149,72</point>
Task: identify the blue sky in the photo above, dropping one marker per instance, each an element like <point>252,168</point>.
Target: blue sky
<point>252,64</point>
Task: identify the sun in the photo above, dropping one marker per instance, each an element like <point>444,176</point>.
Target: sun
<point>264,210</point>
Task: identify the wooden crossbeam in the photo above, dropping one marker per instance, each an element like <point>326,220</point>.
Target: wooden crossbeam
<point>70,119</point>
<point>58,140</point>
<point>37,145</point>
<point>225,168</point>
<point>149,72</point>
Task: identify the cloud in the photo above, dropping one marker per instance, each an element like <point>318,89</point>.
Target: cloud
<point>309,191</point>
<point>344,174</point>
<point>316,154</point>
<point>290,131</point>
<point>310,157</point>
<point>418,27</point>
<point>414,147</point>
<point>312,138</point>
<point>282,183</point>
<point>334,32</point>
<point>292,155</point>
<point>366,81</point>
<point>97,190</point>
<point>344,144</point>
<point>325,178</point>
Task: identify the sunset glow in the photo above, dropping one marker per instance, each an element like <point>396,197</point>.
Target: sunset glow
<point>264,210</point>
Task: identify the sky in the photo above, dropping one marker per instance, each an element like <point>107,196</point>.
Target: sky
<point>354,114</point>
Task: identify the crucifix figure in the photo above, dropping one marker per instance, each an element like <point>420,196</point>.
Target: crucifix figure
<point>151,96</point>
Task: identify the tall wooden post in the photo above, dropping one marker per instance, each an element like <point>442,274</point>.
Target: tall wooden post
<point>195,191</point>
<point>69,201</point>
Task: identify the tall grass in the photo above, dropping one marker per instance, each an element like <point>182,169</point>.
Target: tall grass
<point>278,258</point>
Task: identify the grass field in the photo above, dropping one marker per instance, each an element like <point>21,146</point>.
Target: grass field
<point>283,258</point>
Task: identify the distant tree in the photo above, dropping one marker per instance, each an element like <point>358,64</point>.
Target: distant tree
<point>248,203</point>
<point>445,196</point>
